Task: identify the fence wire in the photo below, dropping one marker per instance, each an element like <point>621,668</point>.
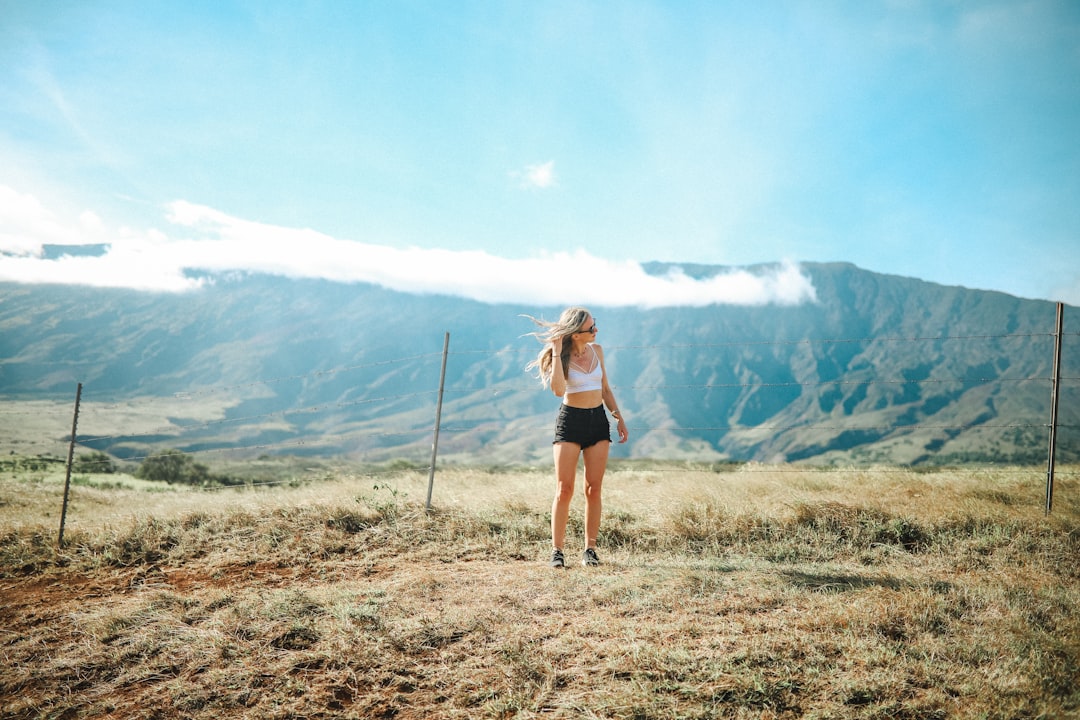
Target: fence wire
<point>175,432</point>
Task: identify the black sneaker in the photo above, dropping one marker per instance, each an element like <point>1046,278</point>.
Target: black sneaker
<point>589,558</point>
<point>557,560</point>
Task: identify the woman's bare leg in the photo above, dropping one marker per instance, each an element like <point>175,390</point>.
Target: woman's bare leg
<point>566,459</point>
<point>596,458</point>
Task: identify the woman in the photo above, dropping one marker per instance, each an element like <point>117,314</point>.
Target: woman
<point>572,364</point>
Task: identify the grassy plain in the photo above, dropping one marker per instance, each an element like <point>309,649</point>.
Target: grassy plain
<point>742,592</point>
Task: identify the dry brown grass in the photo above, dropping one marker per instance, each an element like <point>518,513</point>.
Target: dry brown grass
<point>757,593</point>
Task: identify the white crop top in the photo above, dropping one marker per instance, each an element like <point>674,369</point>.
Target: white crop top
<point>581,381</point>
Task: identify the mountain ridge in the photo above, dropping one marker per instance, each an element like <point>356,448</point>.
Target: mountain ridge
<point>880,368</point>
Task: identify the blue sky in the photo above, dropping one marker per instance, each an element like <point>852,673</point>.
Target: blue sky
<point>508,149</point>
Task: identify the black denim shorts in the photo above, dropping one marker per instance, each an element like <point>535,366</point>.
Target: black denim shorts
<point>583,426</point>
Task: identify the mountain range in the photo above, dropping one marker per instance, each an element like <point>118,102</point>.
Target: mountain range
<point>879,369</point>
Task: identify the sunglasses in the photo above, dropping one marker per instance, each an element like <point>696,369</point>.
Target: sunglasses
<point>588,330</point>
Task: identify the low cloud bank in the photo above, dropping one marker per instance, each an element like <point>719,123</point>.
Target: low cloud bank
<point>214,242</point>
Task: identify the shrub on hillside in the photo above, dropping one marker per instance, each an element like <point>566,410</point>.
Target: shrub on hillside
<point>93,462</point>
<point>173,467</point>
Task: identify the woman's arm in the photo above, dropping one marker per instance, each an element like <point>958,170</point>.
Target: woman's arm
<point>609,398</point>
<point>558,377</point>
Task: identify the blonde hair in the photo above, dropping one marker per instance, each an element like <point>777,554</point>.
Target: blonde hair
<point>569,322</point>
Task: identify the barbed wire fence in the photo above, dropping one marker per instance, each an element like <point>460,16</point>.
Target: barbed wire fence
<point>369,437</point>
<point>176,430</point>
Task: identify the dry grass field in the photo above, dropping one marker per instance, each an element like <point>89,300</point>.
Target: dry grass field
<point>742,592</point>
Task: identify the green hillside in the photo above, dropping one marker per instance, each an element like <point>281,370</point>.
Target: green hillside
<point>879,369</point>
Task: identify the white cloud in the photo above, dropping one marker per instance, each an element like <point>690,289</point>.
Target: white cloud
<point>210,241</point>
<point>91,223</point>
<point>540,176</point>
<point>25,225</point>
